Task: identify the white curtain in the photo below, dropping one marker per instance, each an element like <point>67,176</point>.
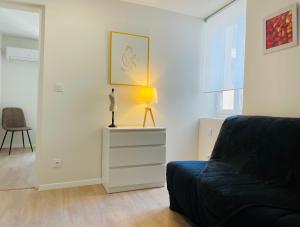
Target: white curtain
<point>225,49</point>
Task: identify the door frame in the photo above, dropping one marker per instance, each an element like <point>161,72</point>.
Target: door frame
<point>40,9</point>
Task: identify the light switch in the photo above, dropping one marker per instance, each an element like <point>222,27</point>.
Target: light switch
<point>59,87</point>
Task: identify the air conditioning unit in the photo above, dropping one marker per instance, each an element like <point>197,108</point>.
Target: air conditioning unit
<point>21,54</point>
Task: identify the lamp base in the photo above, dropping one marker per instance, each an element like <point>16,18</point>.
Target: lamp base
<point>148,110</point>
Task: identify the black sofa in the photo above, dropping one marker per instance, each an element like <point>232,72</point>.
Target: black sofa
<point>252,178</point>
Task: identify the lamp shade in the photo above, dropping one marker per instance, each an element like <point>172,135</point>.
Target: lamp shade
<point>148,95</point>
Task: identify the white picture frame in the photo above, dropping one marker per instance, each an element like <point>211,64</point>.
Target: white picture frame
<point>266,33</point>
<point>129,59</point>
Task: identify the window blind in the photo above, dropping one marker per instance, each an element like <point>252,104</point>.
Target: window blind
<point>225,49</point>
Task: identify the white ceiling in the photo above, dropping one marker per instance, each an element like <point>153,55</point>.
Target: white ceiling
<point>197,8</point>
<point>26,24</point>
<point>19,23</point>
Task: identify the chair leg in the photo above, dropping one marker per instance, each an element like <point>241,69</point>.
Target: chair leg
<point>23,139</point>
<point>11,140</point>
<point>3,140</point>
<point>29,141</point>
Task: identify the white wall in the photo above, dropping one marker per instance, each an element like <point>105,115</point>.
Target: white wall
<point>0,70</point>
<point>19,87</point>
<point>76,54</point>
<point>271,81</point>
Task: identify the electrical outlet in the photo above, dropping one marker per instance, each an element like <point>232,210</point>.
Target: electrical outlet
<point>57,163</point>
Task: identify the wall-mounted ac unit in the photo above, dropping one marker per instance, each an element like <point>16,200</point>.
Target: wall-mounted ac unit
<point>21,54</point>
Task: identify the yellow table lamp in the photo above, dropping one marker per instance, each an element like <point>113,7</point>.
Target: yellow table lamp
<point>148,95</point>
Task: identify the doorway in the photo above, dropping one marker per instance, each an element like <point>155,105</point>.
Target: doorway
<point>19,96</point>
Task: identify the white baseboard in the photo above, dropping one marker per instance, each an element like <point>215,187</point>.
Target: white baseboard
<point>70,184</point>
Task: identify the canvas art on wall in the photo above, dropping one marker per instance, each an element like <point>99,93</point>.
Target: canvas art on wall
<point>129,59</point>
<point>280,30</point>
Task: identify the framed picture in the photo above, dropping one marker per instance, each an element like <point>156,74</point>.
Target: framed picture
<point>129,59</point>
<point>281,30</point>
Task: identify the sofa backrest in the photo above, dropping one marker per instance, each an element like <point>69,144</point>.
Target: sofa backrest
<point>266,147</point>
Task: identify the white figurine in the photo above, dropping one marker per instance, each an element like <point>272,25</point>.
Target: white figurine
<point>112,98</point>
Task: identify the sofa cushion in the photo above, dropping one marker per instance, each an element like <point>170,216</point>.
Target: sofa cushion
<point>267,148</point>
<point>263,216</point>
<point>226,190</point>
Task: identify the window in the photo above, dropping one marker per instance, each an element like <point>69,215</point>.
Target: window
<point>224,58</point>
<point>229,102</point>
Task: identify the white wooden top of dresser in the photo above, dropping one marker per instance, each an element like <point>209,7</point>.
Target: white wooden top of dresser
<point>132,128</point>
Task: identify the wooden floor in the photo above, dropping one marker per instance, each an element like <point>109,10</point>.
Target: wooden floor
<point>17,170</point>
<point>87,207</point>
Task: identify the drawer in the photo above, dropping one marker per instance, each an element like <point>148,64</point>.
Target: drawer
<point>137,138</point>
<point>136,175</point>
<point>131,156</point>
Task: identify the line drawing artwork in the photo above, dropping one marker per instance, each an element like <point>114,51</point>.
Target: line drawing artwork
<point>129,60</point>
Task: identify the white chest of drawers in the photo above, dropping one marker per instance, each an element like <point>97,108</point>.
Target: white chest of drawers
<point>133,158</point>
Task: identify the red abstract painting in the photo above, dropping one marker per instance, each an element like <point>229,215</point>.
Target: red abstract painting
<point>279,30</point>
